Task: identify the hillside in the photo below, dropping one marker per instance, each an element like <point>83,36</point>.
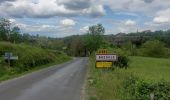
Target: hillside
<point>29,58</point>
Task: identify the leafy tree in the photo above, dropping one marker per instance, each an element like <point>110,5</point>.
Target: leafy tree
<point>94,37</point>
<point>15,35</point>
<point>26,37</point>
<point>4,29</point>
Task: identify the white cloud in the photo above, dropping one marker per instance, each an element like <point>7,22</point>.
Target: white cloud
<point>95,11</point>
<point>124,29</point>
<point>84,29</point>
<point>50,8</point>
<point>163,16</point>
<point>130,23</point>
<point>68,22</point>
<point>161,19</point>
<point>58,30</point>
<point>12,20</point>
<point>143,7</point>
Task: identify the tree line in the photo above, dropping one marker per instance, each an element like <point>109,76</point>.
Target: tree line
<point>84,45</point>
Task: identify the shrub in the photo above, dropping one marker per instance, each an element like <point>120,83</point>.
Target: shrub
<point>122,62</point>
<point>137,89</point>
<point>29,57</point>
<point>2,70</point>
<point>153,48</point>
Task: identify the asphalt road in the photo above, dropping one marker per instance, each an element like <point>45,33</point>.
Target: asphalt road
<point>61,82</point>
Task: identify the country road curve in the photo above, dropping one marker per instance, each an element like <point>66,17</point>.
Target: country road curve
<point>60,82</point>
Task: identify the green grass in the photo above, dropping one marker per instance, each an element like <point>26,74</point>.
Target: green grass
<point>30,58</point>
<point>107,84</point>
<point>154,69</point>
<point>61,59</point>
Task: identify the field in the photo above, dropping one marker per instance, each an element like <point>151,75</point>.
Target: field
<point>153,69</point>
<point>107,84</point>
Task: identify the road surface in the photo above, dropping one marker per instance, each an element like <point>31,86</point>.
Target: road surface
<point>60,82</point>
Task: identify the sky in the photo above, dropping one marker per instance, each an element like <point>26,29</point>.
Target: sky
<point>60,18</point>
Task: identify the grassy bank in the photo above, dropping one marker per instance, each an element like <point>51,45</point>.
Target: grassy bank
<point>108,84</point>
<point>30,59</point>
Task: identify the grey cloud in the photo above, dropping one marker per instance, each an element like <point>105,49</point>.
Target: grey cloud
<point>76,4</point>
<point>127,4</point>
<point>148,1</point>
<point>96,14</point>
<point>7,4</point>
<point>1,1</point>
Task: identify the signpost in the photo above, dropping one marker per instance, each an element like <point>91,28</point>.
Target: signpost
<point>9,56</point>
<point>105,59</point>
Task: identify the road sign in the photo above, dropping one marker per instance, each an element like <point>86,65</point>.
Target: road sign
<point>104,59</point>
<point>102,51</point>
<point>104,64</point>
<point>9,56</point>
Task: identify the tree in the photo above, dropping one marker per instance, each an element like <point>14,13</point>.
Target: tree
<point>94,37</point>
<point>26,38</point>
<point>4,29</point>
<point>15,35</point>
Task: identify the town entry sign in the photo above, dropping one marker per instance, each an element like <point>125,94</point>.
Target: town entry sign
<point>105,59</point>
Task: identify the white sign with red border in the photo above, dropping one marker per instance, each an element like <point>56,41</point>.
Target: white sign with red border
<point>106,57</point>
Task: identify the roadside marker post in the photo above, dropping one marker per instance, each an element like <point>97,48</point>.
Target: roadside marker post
<point>105,59</point>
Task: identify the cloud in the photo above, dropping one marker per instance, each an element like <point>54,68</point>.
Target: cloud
<point>76,4</point>
<point>144,7</point>
<point>130,23</point>
<point>162,16</point>
<point>161,19</point>
<point>12,20</point>
<point>95,11</point>
<point>50,8</point>
<point>148,1</point>
<point>84,29</point>
<point>52,30</point>
<point>1,1</point>
<point>68,22</point>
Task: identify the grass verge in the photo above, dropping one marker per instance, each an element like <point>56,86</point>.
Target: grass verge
<point>30,58</point>
<point>59,60</point>
<point>108,84</point>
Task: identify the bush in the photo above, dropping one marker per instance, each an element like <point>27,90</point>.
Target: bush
<point>29,57</point>
<point>137,89</point>
<point>2,70</point>
<point>122,62</point>
<point>153,48</point>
